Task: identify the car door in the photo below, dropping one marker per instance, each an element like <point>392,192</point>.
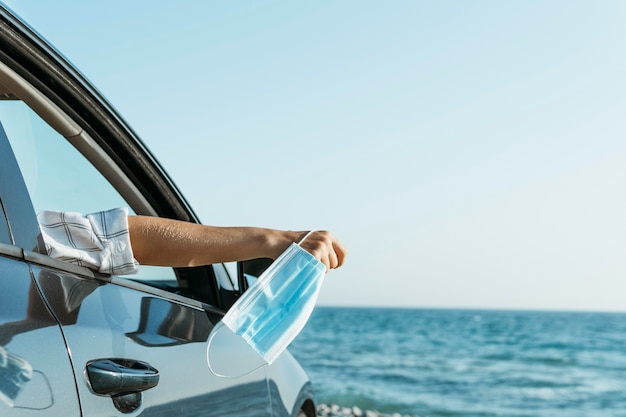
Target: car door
<point>36,375</point>
<point>134,350</point>
<point>135,346</point>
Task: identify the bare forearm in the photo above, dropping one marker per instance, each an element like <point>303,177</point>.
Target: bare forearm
<point>158,241</point>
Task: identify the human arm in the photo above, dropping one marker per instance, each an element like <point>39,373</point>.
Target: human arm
<point>166,242</point>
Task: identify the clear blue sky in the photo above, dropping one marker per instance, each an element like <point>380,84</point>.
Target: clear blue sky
<point>468,153</point>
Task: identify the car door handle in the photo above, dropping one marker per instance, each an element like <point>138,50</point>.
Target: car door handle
<point>117,376</point>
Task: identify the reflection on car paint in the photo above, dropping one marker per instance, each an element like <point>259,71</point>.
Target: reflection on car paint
<point>279,409</point>
<point>22,386</point>
<point>15,374</point>
<point>65,295</point>
<point>163,323</point>
<point>219,403</point>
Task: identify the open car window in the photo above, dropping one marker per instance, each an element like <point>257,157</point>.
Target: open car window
<point>76,153</point>
<point>58,176</point>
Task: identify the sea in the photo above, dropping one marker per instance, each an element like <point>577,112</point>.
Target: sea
<point>448,362</point>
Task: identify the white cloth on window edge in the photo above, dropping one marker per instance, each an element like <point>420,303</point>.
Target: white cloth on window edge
<point>98,241</point>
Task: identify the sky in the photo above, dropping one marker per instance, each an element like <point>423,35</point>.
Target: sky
<point>469,154</point>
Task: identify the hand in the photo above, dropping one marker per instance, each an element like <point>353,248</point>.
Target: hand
<point>325,247</point>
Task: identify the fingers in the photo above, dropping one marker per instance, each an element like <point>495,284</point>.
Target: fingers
<point>325,247</point>
<point>340,252</point>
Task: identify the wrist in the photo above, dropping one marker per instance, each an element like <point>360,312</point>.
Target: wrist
<point>279,240</point>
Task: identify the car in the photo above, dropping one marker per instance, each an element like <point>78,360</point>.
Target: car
<point>75,342</point>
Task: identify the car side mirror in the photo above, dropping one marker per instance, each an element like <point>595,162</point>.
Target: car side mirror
<point>249,271</point>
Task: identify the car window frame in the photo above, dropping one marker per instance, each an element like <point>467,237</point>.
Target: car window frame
<point>67,102</point>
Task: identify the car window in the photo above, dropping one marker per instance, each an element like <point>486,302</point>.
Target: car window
<point>57,176</point>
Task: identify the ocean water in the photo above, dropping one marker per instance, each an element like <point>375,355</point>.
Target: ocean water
<point>431,362</point>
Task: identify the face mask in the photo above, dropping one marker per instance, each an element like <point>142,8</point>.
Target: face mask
<point>271,313</point>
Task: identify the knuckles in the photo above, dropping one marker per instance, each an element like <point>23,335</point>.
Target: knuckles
<point>321,245</point>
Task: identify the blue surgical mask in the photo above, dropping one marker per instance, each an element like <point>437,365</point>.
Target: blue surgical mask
<point>271,313</point>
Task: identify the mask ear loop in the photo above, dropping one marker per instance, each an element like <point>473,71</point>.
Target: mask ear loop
<point>47,381</point>
<point>305,236</point>
<point>219,327</point>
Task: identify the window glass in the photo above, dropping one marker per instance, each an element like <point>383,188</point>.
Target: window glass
<point>223,277</point>
<point>57,176</point>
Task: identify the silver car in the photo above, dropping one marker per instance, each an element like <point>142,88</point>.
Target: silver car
<point>77,343</point>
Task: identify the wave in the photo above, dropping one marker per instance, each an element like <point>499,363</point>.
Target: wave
<point>464,363</point>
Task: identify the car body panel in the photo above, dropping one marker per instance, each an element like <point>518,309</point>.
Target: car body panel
<point>283,398</point>
<point>35,371</point>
